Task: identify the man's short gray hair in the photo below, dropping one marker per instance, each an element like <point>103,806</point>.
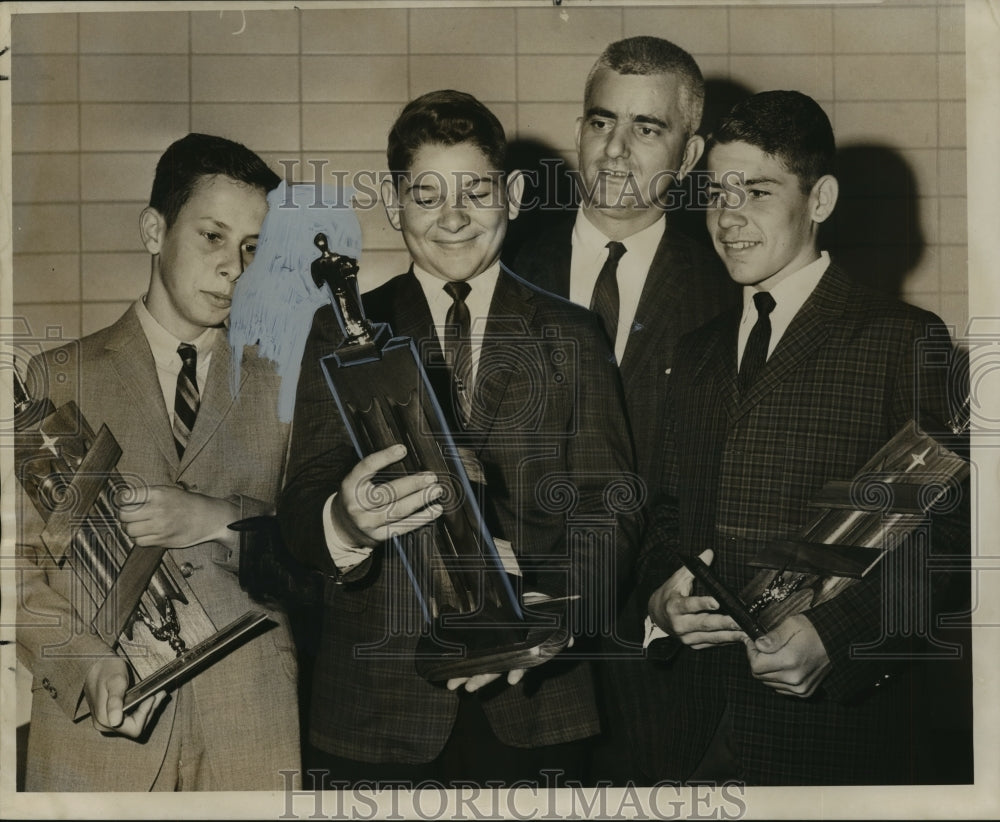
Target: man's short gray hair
<point>654,55</point>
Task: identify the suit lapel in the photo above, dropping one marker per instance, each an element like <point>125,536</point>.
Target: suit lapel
<point>658,304</point>
<point>717,361</point>
<point>808,330</point>
<point>562,255</point>
<point>132,360</point>
<point>216,398</point>
<point>511,314</point>
<point>411,317</point>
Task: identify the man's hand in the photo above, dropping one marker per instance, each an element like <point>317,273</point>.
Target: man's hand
<point>170,517</point>
<point>104,688</point>
<point>367,512</point>
<point>689,618</point>
<point>791,658</point>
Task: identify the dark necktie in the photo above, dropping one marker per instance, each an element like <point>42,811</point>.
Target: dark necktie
<point>605,299</point>
<point>755,354</point>
<point>458,351</point>
<point>186,399</point>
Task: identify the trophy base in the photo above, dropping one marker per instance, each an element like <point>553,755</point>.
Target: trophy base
<point>196,659</point>
<point>459,647</point>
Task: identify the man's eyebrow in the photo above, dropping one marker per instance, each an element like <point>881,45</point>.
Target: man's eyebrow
<point>215,221</point>
<point>476,179</point>
<point>756,181</point>
<point>597,111</point>
<point>650,120</point>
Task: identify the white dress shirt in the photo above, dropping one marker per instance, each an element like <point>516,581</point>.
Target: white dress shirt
<point>163,344</point>
<point>589,253</point>
<point>344,555</point>
<point>789,296</point>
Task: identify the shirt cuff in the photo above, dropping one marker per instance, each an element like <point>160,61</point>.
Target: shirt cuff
<point>344,555</point>
<point>651,632</point>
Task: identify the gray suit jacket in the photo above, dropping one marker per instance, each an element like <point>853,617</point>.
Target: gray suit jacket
<point>246,704</point>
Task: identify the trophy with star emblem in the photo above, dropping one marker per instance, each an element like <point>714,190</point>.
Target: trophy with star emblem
<point>137,601</point>
<point>858,524</point>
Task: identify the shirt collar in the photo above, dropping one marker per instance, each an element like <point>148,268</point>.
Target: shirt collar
<point>164,344</point>
<point>589,239</point>
<point>795,289</point>
<point>483,285</point>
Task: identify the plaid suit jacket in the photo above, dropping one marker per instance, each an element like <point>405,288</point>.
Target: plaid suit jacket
<point>548,429</point>
<point>841,381</point>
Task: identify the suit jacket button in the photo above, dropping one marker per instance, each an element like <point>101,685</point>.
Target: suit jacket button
<point>187,569</point>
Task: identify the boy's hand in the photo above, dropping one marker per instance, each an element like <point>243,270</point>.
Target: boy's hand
<point>791,658</point>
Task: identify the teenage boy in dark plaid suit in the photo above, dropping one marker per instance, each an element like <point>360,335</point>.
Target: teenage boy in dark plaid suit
<point>546,405</point>
<point>836,378</point>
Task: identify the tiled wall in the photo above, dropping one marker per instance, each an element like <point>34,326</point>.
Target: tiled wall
<point>97,97</point>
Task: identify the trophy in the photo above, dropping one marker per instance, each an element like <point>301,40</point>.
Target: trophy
<point>137,601</point>
<point>476,622</point>
<point>913,476</point>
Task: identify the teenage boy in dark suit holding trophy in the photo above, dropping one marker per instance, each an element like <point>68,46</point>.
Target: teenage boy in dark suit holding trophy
<point>799,387</point>
<point>541,402</point>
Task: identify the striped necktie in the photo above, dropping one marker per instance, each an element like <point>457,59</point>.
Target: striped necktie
<point>186,399</point>
<point>605,299</point>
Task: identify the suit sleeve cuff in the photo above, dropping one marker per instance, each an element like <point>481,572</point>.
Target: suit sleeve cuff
<point>344,555</point>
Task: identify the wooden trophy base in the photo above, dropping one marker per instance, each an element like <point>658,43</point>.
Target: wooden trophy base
<point>196,659</point>
<point>465,646</point>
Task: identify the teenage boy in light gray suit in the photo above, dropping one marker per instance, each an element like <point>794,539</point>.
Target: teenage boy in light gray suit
<point>235,725</point>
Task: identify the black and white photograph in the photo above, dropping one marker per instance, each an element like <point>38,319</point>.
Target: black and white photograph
<point>528,409</point>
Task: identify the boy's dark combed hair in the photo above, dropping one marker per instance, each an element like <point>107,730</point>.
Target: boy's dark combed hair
<point>788,125</point>
<point>447,117</point>
<point>188,160</point>
<point>646,56</point>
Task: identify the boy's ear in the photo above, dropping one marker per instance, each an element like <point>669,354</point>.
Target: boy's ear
<point>823,197</point>
<point>390,199</point>
<point>152,229</point>
<point>515,193</point>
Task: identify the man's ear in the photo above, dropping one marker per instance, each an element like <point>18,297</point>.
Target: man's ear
<point>515,193</point>
<point>579,128</point>
<point>823,197</point>
<point>692,152</point>
<point>390,199</point>
<point>152,229</point>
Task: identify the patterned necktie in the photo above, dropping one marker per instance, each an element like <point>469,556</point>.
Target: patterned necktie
<point>186,399</point>
<point>458,351</point>
<point>605,298</point>
<point>755,354</point>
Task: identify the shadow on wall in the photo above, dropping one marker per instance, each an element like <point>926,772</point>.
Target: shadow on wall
<point>875,231</point>
<point>549,193</point>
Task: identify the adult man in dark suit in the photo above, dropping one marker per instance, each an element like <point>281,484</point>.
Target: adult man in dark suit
<point>234,726</point>
<point>636,139</point>
<point>545,407</point>
<point>799,387</point>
